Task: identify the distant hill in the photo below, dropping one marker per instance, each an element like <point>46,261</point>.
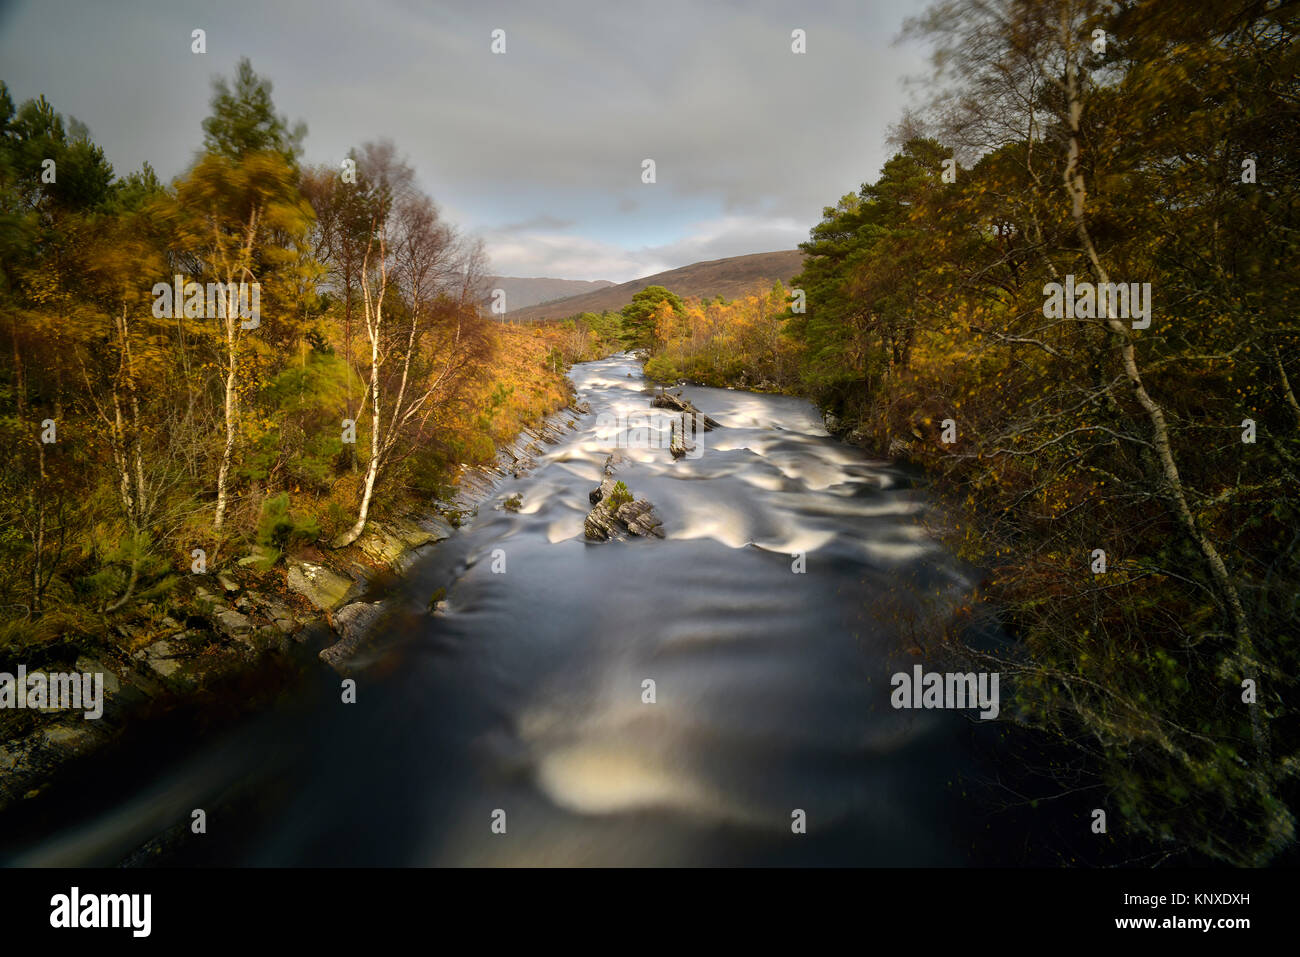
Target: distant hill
<point>728,278</point>
<point>530,292</point>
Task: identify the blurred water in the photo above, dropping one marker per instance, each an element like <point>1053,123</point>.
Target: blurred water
<point>524,695</point>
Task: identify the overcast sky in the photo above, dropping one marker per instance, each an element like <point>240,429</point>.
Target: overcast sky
<point>538,151</point>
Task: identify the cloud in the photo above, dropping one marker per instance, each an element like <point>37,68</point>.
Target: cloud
<point>538,150</point>
<point>543,221</point>
<point>561,255</point>
<point>578,257</point>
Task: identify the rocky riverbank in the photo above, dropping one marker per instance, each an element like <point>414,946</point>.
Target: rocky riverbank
<point>317,607</point>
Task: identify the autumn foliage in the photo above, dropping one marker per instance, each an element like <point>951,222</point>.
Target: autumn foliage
<point>1167,665</point>
<point>137,435</point>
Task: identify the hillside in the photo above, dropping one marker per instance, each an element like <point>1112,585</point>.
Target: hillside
<point>716,277</point>
<point>522,292</point>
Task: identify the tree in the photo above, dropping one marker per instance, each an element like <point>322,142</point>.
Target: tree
<point>44,227</point>
<point>239,216</point>
<point>867,280</point>
<point>638,315</point>
<point>345,215</point>
<point>1124,165</point>
<point>125,366</point>
<point>243,120</point>
<point>414,269</point>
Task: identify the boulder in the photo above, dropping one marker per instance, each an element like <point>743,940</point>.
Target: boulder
<point>388,543</point>
<point>91,666</point>
<point>231,623</point>
<point>353,623</point>
<point>318,585</point>
<point>667,400</point>
<point>600,525</point>
<point>678,445</point>
<point>605,523</point>
<point>598,495</point>
<point>161,658</point>
<point>639,518</point>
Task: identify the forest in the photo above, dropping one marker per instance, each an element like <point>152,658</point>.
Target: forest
<point>1130,482</point>
<point>151,433</point>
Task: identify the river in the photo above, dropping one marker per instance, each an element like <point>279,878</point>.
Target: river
<point>521,706</point>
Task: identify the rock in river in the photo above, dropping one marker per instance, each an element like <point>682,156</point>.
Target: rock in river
<point>610,517</point>
<point>676,402</point>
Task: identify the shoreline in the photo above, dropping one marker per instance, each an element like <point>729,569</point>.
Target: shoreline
<point>340,637</point>
<point>245,639</point>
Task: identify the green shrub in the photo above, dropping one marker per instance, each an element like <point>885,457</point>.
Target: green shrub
<point>279,529</point>
<point>661,368</point>
<point>620,496</point>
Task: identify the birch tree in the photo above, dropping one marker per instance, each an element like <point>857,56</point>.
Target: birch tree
<point>415,277</point>
<point>231,215</point>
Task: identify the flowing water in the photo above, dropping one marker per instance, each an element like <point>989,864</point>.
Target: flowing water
<point>523,700</point>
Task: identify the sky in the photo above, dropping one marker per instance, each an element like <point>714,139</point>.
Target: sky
<point>538,150</point>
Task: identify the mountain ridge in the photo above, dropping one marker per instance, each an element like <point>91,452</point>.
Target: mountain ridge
<point>728,277</point>
<point>524,291</point>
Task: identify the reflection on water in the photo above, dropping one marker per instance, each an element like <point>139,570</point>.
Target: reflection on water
<point>525,694</point>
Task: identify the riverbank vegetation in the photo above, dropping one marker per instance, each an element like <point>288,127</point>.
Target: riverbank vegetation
<point>1126,464</point>
<point>739,343</point>
<point>157,426</point>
